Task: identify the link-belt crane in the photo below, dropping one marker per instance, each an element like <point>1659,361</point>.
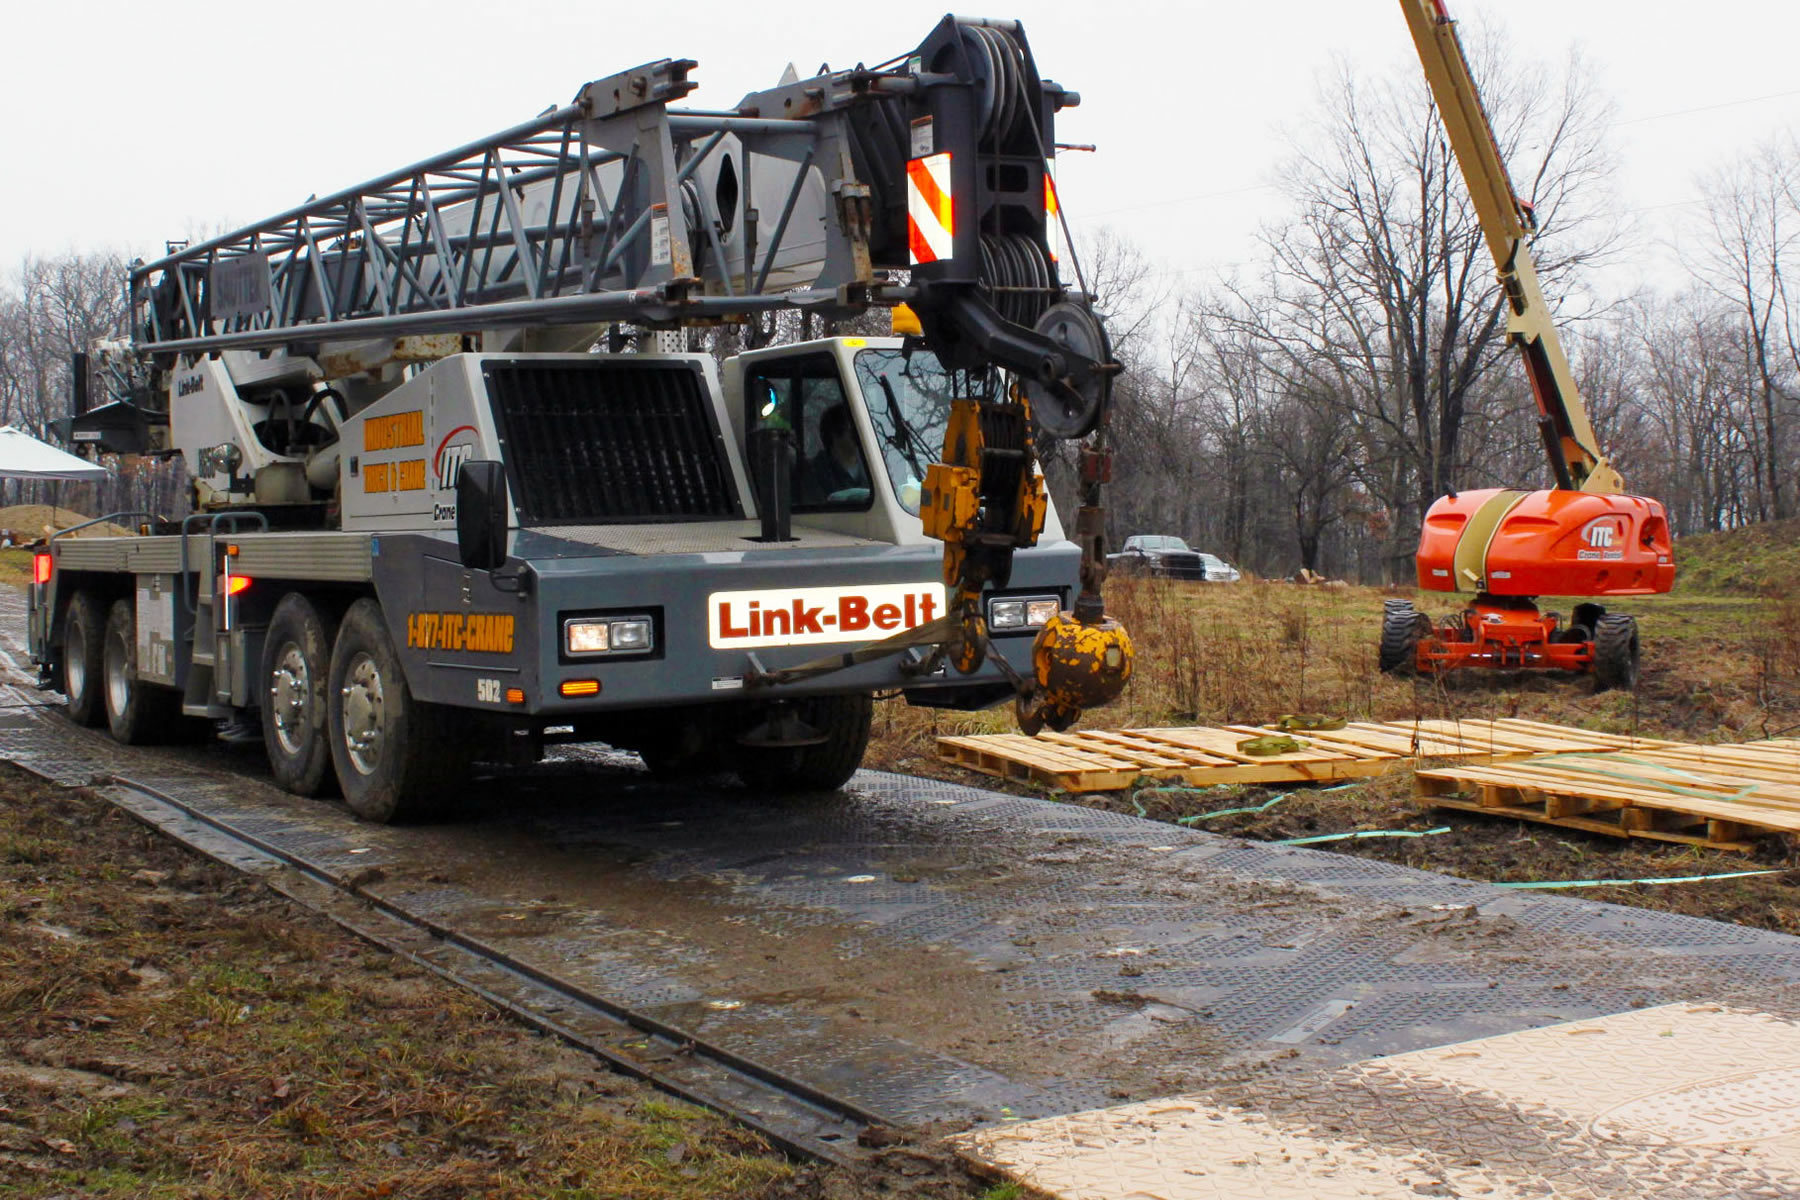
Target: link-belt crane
<point>439,512</point>
<point>1583,537</point>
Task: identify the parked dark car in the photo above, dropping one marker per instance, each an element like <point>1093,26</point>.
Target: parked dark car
<point>1158,555</point>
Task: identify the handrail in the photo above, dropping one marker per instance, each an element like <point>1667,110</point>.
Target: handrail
<point>212,534</point>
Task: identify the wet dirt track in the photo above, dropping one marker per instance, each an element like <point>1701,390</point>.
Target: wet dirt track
<point>942,954</point>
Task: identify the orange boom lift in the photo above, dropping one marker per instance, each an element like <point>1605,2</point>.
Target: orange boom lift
<point>1585,536</point>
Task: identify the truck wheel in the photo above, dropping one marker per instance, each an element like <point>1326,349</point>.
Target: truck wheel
<point>137,713</point>
<point>1615,653</point>
<point>823,767</point>
<point>296,661</point>
<point>1401,628</point>
<point>395,757</point>
<point>84,632</point>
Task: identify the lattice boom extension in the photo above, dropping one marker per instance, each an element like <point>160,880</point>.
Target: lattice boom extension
<point>617,207</point>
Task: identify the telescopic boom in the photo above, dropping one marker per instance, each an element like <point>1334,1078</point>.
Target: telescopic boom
<point>1508,224</point>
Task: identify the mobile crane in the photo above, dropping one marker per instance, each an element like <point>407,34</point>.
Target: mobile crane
<point>443,514</point>
<point>1584,537</point>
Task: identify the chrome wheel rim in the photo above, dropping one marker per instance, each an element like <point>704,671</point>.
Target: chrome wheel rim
<point>118,682</point>
<point>75,672</point>
<point>365,715</point>
<point>290,689</point>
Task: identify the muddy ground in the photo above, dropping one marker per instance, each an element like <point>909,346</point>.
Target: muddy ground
<point>171,1029</point>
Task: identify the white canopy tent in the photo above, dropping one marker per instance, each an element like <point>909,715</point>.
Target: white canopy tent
<point>24,457</point>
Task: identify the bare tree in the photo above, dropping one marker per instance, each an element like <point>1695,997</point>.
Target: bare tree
<point>1753,213</point>
<point>1379,293</point>
<point>50,309</point>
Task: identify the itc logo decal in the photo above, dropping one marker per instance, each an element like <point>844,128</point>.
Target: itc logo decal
<point>457,448</point>
<point>1604,538</point>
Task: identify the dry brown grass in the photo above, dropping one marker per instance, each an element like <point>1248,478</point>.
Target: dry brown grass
<point>1715,668</point>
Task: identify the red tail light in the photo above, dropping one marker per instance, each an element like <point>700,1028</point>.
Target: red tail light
<point>40,568</point>
<point>236,584</point>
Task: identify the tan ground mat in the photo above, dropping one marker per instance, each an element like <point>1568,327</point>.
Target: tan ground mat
<point>1694,1101</point>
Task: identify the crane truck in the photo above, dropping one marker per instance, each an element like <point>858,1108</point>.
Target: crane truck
<point>1584,537</point>
<point>460,490</point>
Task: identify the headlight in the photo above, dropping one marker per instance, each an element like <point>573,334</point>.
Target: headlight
<point>608,635</point>
<point>1021,612</point>
<point>631,635</point>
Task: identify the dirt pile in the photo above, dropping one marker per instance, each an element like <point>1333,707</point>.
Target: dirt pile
<point>22,524</point>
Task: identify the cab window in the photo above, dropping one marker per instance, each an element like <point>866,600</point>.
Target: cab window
<point>806,395</point>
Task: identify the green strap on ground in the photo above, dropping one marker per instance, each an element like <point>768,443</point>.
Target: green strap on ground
<point>1364,833</point>
<point>1587,883</point>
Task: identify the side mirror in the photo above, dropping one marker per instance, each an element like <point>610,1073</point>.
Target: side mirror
<point>481,514</point>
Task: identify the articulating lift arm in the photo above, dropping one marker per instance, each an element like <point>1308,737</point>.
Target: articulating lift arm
<point>1508,224</point>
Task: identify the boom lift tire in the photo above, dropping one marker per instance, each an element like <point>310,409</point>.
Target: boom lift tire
<point>822,767</point>
<point>1615,653</point>
<point>84,633</point>
<point>296,661</point>
<point>137,713</point>
<point>396,758</point>
<point>1402,626</point>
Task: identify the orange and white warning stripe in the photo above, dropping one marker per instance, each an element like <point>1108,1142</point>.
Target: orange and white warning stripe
<point>930,214</point>
<point>1052,225</point>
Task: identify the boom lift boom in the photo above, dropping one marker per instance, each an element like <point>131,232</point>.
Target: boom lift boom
<point>1583,537</point>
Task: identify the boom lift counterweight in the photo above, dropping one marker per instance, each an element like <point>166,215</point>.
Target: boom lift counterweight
<point>1583,537</point>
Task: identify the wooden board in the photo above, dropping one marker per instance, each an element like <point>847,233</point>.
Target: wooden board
<point>1094,760</point>
<point>1713,796</point>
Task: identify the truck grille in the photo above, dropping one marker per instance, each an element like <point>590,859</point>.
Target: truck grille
<point>1183,566</point>
<point>608,441</point>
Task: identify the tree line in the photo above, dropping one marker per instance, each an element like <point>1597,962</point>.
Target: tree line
<point>1308,412</point>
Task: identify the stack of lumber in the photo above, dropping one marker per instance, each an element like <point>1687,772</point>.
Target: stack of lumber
<point>1095,760</point>
<point>1712,796</point>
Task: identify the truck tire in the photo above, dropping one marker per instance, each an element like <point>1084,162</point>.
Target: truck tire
<point>396,758</point>
<point>1615,653</point>
<point>84,633</point>
<point>823,767</point>
<point>296,661</point>
<point>1402,626</point>
<point>137,713</point>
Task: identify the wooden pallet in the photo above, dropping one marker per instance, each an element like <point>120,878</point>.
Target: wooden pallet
<point>1712,796</point>
<point>1096,760</point>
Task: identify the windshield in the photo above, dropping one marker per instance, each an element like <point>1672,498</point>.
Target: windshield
<point>908,398</point>
<point>1159,542</point>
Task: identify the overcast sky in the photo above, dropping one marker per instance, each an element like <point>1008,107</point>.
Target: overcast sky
<point>129,123</point>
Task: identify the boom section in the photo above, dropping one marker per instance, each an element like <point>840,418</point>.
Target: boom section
<point>1507,224</point>
<point>620,208</point>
